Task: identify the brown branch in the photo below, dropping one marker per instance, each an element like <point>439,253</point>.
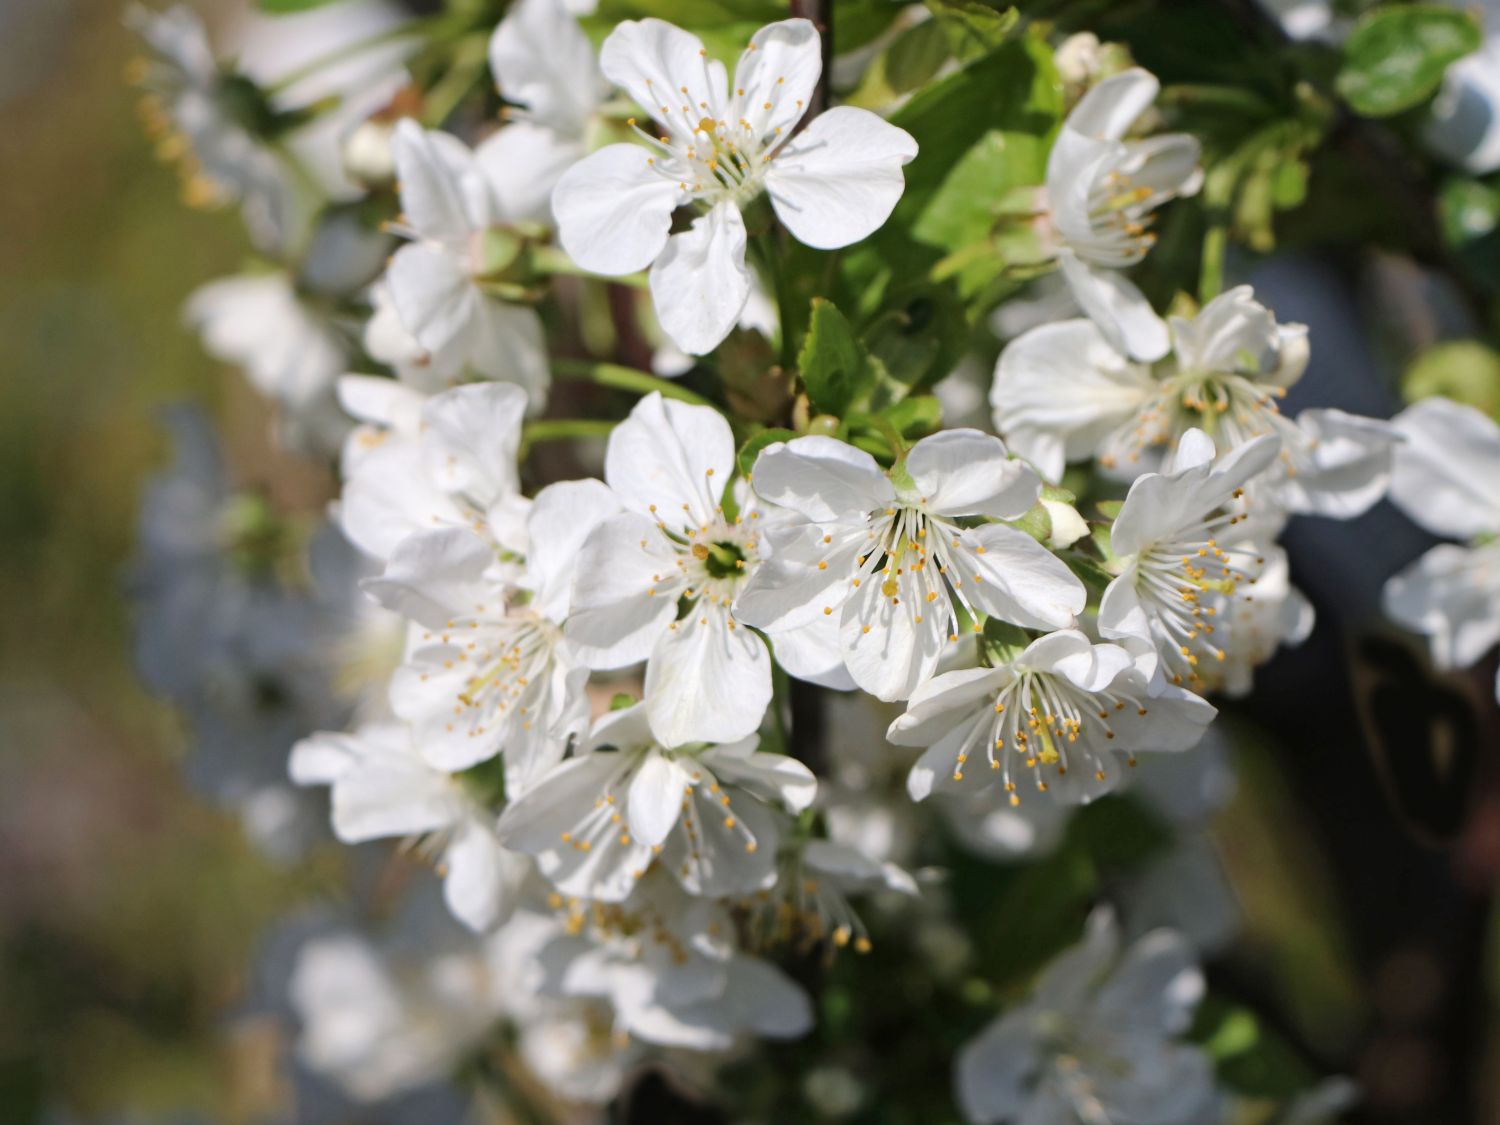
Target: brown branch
<point>820,12</point>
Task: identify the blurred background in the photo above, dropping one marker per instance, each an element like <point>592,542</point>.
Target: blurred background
<point>1363,839</point>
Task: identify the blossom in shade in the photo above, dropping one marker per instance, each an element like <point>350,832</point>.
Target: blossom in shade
<point>1186,552</point>
<point>1096,1041</point>
<point>1063,717</point>
<point>487,670</point>
<point>1062,393</point>
<point>1447,479</point>
<point>381,787</point>
<point>596,822</point>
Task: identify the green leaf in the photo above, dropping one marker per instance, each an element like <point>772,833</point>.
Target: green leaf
<point>286,7</point>
<point>1014,88</point>
<point>751,449</point>
<point>1036,523</point>
<point>973,28</point>
<point>1395,57</point>
<point>904,66</point>
<point>1002,641</point>
<point>916,416</point>
<point>831,362</point>
<point>1463,370</point>
<point>1250,1057</point>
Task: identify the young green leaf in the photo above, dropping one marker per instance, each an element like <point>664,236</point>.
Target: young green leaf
<point>1395,57</point>
<point>831,362</point>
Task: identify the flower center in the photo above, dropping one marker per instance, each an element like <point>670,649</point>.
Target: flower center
<point>1040,719</point>
<point>913,554</point>
<point>715,157</point>
<point>1187,583</point>
<point>511,659</point>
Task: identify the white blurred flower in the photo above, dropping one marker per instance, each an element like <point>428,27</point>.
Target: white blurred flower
<point>545,67</point>
<point>1096,1041</point>
<point>380,1024</point>
<point>453,202</point>
<point>425,464</point>
<point>382,787</point>
<point>894,562</point>
<point>1447,479</point>
<point>668,966</point>
<point>197,114</point>
<point>831,185</point>
<point>1063,393</point>
<point>1100,192</point>
<point>596,822</point>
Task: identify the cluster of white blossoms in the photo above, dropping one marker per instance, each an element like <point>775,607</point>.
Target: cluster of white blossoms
<point>593,722</point>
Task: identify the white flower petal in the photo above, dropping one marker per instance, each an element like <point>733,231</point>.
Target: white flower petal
<point>541,59</point>
<point>1343,464</point>
<point>1108,110</point>
<point>822,478</point>
<point>839,179</point>
<point>524,162</point>
<point>435,299</point>
<point>1060,389</point>
<point>671,461</point>
<point>708,679</point>
<point>1018,580</point>
<point>1447,472</point>
<point>700,282</point>
<point>616,618</point>
<point>483,878</point>
<point>995,1072</point>
<point>811,651</point>
<point>437,177</point>
<point>433,576</point>
<point>969,473</point>
<point>778,74</point>
<point>1445,596</point>
<point>506,342</point>
<point>1121,311</point>
<point>652,60</point>
<point>655,798</point>
<point>562,517</point>
<point>473,437</point>
<point>886,649</point>
<point>614,210</point>
<point>774,778</point>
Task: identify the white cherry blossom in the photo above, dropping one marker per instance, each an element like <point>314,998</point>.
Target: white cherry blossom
<point>1063,393</point>
<point>454,467</point>
<point>190,109</point>
<point>381,786</point>
<point>1447,479</point>
<point>708,679</point>
<point>1186,552</point>
<point>719,147</point>
<point>596,822</point>
<point>487,671</point>
<point>897,558</point>
<point>451,200</point>
<point>669,966</point>
<point>380,1021</point>
<point>546,68</point>
<point>1096,1041</point>
<point>1100,192</point>
<point>1064,717</point>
